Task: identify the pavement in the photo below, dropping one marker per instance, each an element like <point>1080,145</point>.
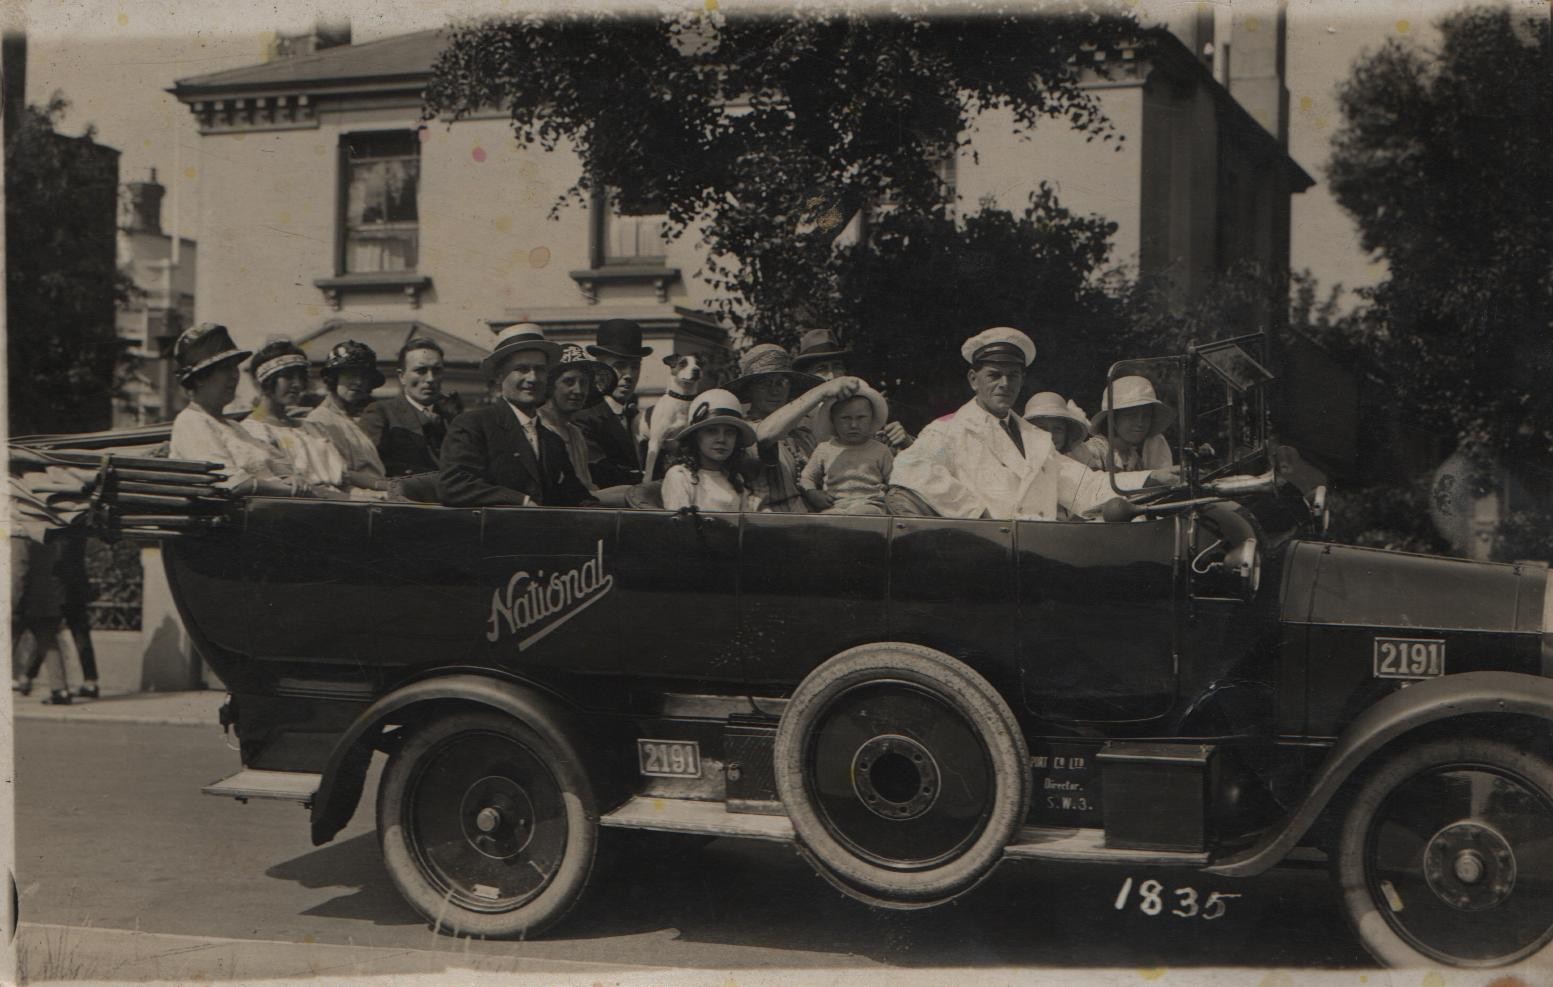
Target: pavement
<point>156,708</point>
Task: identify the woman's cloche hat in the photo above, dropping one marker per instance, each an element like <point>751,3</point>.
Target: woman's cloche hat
<point>206,345</point>
<point>716,407</point>
<point>824,428</point>
<point>516,338</point>
<point>1051,406</point>
<point>602,377</point>
<point>1132,392</point>
<point>816,345</point>
<point>769,360</point>
<point>351,355</point>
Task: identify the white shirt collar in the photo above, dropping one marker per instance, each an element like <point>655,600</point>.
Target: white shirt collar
<point>525,419</point>
<point>423,409</point>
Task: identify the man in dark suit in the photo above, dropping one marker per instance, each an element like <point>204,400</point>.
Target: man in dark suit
<point>502,454</point>
<point>408,430</point>
<point>615,456</point>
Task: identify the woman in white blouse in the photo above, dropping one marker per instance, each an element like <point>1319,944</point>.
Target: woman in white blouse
<point>207,364</point>
<point>279,370</point>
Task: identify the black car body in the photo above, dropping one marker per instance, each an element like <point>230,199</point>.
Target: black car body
<point>909,700</point>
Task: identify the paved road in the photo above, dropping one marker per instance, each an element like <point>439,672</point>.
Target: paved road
<point>113,833</point>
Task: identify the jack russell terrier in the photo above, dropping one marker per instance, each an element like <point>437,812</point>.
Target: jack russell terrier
<point>671,410</point>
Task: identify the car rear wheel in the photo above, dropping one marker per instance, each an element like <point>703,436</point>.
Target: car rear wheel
<point>904,773</point>
<point>488,825</point>
<point>1446,855</point>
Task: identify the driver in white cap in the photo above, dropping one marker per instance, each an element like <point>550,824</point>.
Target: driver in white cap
<point>986,461</point>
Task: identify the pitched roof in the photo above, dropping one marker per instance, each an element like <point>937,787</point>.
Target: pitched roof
<point>402,58</point>
<point>385,338</point>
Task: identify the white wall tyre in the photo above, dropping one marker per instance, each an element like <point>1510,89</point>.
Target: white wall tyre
<point>862,756</point>
<point>488,825</point>
<point>1446,855</point>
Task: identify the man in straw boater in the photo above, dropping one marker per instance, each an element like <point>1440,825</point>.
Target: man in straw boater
<point>986,461</point>
<point>503,453</point>
<point>615,457</point>
<point>207,362</point>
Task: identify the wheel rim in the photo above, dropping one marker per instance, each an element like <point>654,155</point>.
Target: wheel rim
<point>875,760</point>
<point>486,821</point>
<point>1459,861</point>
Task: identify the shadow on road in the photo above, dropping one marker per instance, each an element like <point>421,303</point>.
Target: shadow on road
<point>355,864</point>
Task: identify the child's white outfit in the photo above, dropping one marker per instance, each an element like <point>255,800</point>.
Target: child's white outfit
<point>854,475</point>
<point>705,490</point>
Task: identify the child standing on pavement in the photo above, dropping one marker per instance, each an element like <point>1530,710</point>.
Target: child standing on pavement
<point>850,467</point>
<point>708,474</point>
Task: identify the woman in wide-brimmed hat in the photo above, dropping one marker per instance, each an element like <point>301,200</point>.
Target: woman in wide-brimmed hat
<point>708,473</point>
<point>1065,422</point>
<point>779,400</point>
<point>576,383</point>
<point>207,361</point>
<point>1140,419</point>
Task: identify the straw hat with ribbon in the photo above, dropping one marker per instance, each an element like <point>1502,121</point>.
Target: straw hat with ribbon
<point>1132,392</point>
<point>769,360</point>
<point>716,407</point>
<point>515,339</point>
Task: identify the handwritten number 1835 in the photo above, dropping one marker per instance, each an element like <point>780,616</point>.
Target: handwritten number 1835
<point>1187,903</point>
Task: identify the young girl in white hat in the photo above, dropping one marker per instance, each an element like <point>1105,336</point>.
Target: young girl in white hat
<point>1141,417</point>
<point>708,473</point>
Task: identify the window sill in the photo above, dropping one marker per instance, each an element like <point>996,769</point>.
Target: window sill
<point>657,275</point>
<point>409,282</point>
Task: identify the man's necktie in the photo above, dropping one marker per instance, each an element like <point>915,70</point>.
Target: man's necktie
<point>1011,426</point>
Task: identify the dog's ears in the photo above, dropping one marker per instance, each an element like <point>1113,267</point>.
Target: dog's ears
<point>670,360</point>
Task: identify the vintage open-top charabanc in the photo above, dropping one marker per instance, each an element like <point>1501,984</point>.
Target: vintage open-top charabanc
<point>1199,680</point>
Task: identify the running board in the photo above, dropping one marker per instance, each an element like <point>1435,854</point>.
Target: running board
<point>1088,846</point>
<point>251,783</point>
<point>701,818</point>
<point>1032,843</point>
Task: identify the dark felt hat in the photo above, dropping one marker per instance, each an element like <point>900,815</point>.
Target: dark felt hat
<point>207,345</point>
<point>622,338</point>
<point>818,344</point>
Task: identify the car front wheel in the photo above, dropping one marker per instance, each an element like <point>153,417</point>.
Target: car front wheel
<point>488,825</point>
<point>1446,855</point>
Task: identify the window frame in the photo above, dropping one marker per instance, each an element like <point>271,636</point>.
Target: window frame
<point>344,162</point>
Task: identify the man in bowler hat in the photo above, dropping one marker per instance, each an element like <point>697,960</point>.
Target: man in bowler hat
<point>615,456</point>
<point>503,453</point>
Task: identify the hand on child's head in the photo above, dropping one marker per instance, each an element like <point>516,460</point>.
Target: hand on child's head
<point>852,419</point>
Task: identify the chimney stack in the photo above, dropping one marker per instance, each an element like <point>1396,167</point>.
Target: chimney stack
<point>143,210</point>
<point>1256,64</point>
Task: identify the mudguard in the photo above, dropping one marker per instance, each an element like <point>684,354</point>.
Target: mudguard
<point>1426,702</point>
<point>345,774</point>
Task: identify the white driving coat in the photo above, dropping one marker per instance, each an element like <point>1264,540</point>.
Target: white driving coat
<point>966,465</point>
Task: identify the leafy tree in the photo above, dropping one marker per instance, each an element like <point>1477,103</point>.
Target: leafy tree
<point>766,134</point>
<point>908,297</point>
<point>1444,159</point>
<point>62,283</point>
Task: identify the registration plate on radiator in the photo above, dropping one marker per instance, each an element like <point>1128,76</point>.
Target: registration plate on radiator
<point>669,758</point>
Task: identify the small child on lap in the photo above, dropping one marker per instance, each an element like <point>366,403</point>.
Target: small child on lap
<point>850,468</point>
